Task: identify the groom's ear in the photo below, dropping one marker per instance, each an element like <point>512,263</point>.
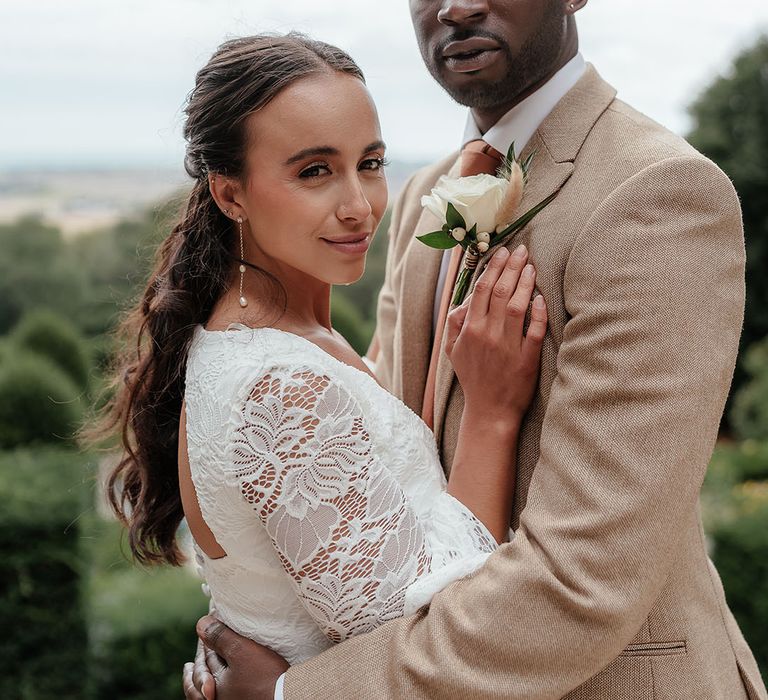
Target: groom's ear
<point>573,6</point>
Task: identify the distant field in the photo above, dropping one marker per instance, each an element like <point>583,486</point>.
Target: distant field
<point>83,200</point>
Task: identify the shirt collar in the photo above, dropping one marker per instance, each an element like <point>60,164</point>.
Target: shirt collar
<point>521,122</point>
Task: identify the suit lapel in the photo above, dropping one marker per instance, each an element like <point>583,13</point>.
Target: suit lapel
<point>547,177</point>
<point>555,146</point>
<point>420,275</point>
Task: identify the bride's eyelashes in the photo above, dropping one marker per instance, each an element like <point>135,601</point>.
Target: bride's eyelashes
<point>378,163</point>
<point>316,170</point>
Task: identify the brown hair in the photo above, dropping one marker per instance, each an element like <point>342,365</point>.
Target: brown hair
<point>191,271</point>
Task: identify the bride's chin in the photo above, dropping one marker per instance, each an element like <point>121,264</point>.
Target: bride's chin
<point>350,278</point>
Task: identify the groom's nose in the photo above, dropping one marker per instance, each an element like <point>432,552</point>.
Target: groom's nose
<point>454,13</point>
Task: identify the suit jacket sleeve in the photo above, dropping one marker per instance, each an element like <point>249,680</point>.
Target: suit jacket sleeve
<point>654,288</point>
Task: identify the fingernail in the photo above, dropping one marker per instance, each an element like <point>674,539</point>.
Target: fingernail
<point>538,301</point>
<point>202,625</point>
<point>520,251</point>
<point>528,270</point>
<point>501,253</point>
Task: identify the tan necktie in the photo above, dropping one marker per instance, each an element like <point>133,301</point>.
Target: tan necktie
<point>477,157</point>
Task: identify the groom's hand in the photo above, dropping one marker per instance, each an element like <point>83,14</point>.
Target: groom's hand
<point>241,669</point>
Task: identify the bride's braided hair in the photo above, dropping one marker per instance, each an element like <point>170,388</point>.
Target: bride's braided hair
<point>192,269</point>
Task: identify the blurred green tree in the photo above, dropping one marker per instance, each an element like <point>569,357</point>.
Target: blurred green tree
<point>348,321</point>
<point>729,126</point>
<point>116,264</point>
<point>740,545</point>
<point>749,412</point>
<point>39,403</point>
<point>44,491</point>
<point>37,269</point>
<point>50,335</point>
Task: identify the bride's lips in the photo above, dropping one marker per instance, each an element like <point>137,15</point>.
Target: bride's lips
<point>471,54</point>
<point>354,244</point>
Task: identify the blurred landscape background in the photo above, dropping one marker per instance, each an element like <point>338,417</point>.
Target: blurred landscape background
<point>77,235</point>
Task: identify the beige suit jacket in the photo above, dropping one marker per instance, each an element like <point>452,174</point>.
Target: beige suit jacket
<point>606,590</point>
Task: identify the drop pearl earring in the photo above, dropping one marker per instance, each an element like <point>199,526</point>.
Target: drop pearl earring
<point>243,300</point>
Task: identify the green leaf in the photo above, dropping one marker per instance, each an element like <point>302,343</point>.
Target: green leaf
<point>472,233</point>
<point>525,165</point>
<point>511,156</point>
<point>438,239</point>
<point>454,219</point>
<point>527,217</point>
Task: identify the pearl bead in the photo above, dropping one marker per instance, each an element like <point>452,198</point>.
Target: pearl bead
<point>458,234</point>
<point>483,237</point>
<point>483,247</point>
<point>243,302</point>
<point>242,268</point>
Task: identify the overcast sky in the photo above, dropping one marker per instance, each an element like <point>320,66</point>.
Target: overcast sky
<point>88,82</point>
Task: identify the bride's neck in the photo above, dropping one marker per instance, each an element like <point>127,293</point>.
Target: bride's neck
<point>284,298</point>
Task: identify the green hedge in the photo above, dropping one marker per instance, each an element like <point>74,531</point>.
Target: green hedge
<point>44,641</point>
<point>48,334</point>
<point>39,403</point>
<point>749,413</point>
<point>740,553</point>
<point>347,320</point>
<point>142,623</point>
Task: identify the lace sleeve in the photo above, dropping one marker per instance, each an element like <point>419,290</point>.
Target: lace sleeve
<point>339,521</point>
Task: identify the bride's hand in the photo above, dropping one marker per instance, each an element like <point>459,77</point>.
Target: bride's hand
<point>498,366</point>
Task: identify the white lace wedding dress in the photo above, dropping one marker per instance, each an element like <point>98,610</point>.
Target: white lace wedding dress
<point>325,491</point>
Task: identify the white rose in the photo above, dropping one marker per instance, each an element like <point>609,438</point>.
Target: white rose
<point>477,198</point>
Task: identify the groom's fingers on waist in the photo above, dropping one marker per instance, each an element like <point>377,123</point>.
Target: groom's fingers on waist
<point>218,638</point>
<point>206,663</point>
<point>481,294</point>
<point>213,663</point>
<point>188,683</point>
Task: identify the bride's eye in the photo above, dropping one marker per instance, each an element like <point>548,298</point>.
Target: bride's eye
<point>374,164</point>
<point>314,170</point>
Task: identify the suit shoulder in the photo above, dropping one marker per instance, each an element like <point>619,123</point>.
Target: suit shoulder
<point>636,143</point>
<point>640,127</point>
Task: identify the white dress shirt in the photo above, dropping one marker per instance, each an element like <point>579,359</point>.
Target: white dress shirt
<point>518,125</point>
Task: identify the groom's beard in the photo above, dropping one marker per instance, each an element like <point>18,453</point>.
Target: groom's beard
<point>530,66</point>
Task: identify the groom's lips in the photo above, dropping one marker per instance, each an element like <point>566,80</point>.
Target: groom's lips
<point>471,54</point>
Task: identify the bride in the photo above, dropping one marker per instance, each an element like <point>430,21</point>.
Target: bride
<point>316,499</point>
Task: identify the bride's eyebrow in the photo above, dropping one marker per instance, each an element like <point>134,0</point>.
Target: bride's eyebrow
<point>312,151</point>
<point>330,151</point>
<point>375,146</point>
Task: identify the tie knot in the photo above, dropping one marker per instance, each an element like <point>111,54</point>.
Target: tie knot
<point>478,157</point>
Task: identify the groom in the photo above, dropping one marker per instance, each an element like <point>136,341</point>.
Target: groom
<point>606,590</point>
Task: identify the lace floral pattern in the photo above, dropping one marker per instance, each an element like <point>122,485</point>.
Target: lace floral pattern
<point>324,490</point>
<point>340,525</point>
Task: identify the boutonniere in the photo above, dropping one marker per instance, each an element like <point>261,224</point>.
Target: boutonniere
<point>478,211</point>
